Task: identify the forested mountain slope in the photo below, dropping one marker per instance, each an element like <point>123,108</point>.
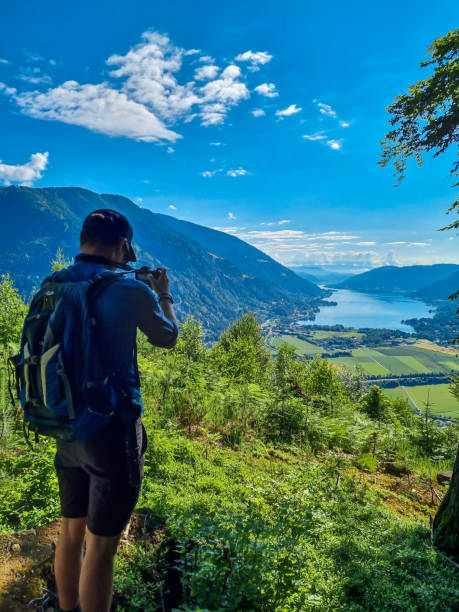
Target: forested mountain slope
<point>247,258</point>
<point>440,290</point>
<point>212,287</point>
<point>394,279</point>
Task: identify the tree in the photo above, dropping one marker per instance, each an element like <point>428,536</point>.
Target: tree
<point>377,405</point>
<point>12,312</point>
<point>241,353</point>
<point>426,118</point>
<point>60,262</point>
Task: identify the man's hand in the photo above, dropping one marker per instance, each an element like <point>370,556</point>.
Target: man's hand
<point>160,284</point>
<point>156,279</point>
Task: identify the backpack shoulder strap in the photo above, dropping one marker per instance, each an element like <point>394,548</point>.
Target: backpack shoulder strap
<point>99,284</point>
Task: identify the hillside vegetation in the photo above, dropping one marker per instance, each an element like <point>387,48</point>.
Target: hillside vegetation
<point>214,276</point>
<point>271,484</point>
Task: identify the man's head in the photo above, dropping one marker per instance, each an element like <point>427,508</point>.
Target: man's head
<point>108,233</point>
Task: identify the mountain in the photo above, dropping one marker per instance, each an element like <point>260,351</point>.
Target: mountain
<point>247,258</point>
<point>394,279</point>
<point>439,290</point>
<point>326,275</point>
<point>214,276</point>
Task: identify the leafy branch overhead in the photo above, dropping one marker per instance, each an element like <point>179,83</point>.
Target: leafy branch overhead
<point>427,117</point>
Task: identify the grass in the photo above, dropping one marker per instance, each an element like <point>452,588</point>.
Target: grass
<point>443,403</point>
<point>281,532</point>
<point>301,346</point>
<point>320,334</point>
<point>413,364</point>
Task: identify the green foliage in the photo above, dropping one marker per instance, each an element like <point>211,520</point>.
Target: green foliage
<point>427,117</point>
<point>376,405</point>
<point>28,491</point>
<point>238,469</point>
<point>241,353</point>
<point>60,261</point>
<point>12,312</point>
<point>131,570</point>
<point>366,461</point>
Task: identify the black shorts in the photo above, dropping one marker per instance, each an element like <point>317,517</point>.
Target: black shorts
<point>100,479</point>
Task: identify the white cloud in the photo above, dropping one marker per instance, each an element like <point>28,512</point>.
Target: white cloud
<point>231,216</point>
<point>170,150</point>
<point>192,52</point>
<point>34,76</point>
<point>147,181</point>
<point>325,109</point>
<point>4,61</point>
<point>284,221</point>
<point>172,207</point>
<point>258,112</point>
<point>26,174</point>
<point>237,172</point>
<point>206,73</point>
<point>370,243</point>
<point>210,173</point>
<point>32,56</point>
<point>227,230</point>
<point>142,97</point>
<point>316,136</point>
<point>206,59</point>
<point>344,124</point>
<point>215,144</point>
<point>268,90</point>
<point>218,96</point>
<point>290,110</point>
<point>98,108</point>
<point>257,59</point>
<point>334,144</point>
<point>408,244</point>
<point>9,91</point>
<point>295,247</point>
<point>139,200</point>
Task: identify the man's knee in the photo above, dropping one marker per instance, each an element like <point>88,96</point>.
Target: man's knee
<point>73,529</point>
<point>103,546</point>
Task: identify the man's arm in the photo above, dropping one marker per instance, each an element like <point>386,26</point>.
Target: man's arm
<point>157,316</point>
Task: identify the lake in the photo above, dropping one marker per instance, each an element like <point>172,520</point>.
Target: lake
<point>370,310</point>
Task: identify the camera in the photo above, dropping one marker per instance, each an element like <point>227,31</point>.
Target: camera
<point>144,274</point>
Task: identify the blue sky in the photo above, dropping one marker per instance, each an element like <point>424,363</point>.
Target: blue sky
<point>259,118</point>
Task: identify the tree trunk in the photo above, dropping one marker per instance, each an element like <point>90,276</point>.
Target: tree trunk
<point>446,522</point>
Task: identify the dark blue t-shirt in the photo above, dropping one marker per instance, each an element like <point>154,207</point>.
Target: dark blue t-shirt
<point>124,306</point>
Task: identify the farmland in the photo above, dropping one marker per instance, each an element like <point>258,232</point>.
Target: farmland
<point>401,359</point>
<point>442,402</point>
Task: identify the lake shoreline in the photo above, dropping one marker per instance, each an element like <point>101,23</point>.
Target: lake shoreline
<point>355,310</point>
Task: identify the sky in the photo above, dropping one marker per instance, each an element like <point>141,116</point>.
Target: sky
<point>261,119</point>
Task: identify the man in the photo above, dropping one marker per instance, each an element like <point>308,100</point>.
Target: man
<point>99,480</point>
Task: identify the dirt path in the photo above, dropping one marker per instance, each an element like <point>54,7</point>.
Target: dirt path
<point>25,558</point>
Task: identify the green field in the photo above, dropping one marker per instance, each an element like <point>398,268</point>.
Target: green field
<point>321,333</point>
<point>442,402</point>
<point>302,347</point>
<point>386,360</point>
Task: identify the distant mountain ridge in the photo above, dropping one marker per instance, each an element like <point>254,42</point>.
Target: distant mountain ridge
<point>439,290</point>
<point>399,280</point>
<point>214,276</point>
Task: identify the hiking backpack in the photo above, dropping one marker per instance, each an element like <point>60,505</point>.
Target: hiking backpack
<point>60,379</point>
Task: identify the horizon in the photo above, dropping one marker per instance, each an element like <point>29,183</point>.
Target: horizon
<point>220,117</point>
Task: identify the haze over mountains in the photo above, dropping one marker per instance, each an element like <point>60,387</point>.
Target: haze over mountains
<point>214,276</point>
<point>433,282</point>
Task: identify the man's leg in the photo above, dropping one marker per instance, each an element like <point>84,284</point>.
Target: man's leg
<point>96,579</point>
<point>67,562</point>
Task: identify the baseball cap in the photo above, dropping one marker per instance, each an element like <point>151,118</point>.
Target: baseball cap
<point>109,226</point>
